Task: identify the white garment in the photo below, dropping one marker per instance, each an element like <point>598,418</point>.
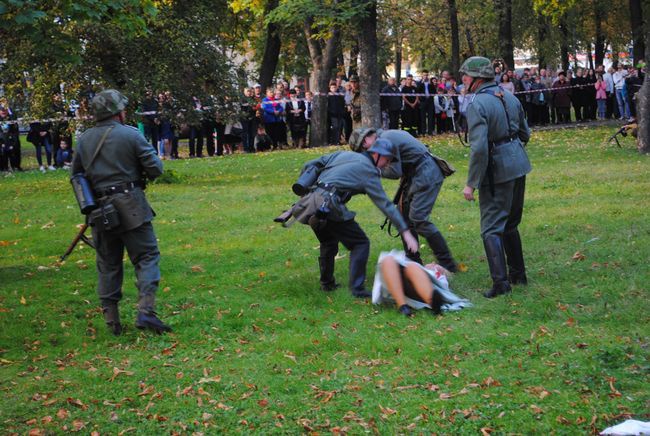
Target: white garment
<point>452,302</point>
<point>619,79</point>
<point>629,427</point>
<point>609,82</point>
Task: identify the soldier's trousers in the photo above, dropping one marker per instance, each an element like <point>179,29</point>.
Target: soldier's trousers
<point>142,248</point>
<point>350,234</point>
<point>501,212</point>
<point>422,195</point>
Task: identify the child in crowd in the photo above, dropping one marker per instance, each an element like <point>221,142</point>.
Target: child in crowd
<point>601,96</point>
<point>263,142</point>
<point>64,155</point>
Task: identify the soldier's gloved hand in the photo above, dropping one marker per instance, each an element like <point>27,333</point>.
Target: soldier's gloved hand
<point>410,241</point>
<point>468,193</point>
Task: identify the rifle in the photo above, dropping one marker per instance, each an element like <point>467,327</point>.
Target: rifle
<point>623,131</point>
<point>80,237</point>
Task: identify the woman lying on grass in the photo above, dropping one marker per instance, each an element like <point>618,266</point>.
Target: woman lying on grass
<point>413,286</point>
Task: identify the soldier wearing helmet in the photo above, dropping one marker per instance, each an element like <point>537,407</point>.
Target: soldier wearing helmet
<point>421,182</point>
<point>341,175</point>
<point>114,157</point>
<point>498,164</point>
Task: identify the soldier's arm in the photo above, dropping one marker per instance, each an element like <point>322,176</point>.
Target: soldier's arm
<point>319,163</point>
<point>478,139</point>
<point>524,131</point>
<point>150,162</point>
<point>374,190</point>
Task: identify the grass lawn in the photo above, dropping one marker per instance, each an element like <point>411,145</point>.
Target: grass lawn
<point>258,348</point>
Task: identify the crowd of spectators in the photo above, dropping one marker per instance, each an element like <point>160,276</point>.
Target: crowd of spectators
<point>280,117</point>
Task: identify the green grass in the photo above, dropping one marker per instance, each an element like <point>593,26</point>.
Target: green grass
<point>257,347</point>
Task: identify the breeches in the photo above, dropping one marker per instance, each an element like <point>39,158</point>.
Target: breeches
<point>142,248</point>
<point>501,212</point>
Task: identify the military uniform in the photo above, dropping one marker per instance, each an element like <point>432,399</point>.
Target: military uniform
<point>355,109</point>
<point>343,174</point>
<point>423,180</point>
<point>497,132</point>
<point>116,175</point>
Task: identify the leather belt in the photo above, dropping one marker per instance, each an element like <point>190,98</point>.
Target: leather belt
<point>503,141</point>
<point>119,189</point>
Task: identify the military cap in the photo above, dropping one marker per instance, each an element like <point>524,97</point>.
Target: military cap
<point>107,103</point>
<point>478,67</point>
<point>357,137</point>
<point>383,147</point>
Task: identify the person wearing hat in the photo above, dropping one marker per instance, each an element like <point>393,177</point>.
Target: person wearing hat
<point>422,181</point>
<point>114,157</point>
<point>355,105</point>
<point>341,175</point>
<point>498,164</point>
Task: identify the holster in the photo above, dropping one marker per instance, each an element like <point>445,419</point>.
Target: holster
<point>105,218</point>
<point>133,209</point>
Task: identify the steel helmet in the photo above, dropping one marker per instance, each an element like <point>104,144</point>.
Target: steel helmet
<point>357,137</point>
<point>478,67</point>
<point>107,103</point>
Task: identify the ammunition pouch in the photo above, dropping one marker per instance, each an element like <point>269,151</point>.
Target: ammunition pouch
<point>104,218</point>
<point>133,209</point>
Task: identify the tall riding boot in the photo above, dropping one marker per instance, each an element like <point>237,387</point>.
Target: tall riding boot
<point>147,318</point>
<point>327,280</point>
<point>497,263</point>
<point>358,262</point>
<point>515,258</point>
<point>441,251</point>
<point>112,317</point>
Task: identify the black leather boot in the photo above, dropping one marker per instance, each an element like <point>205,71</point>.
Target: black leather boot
<point>441,251</point>
<point>327,281</point>
<point>358,262</point>
<point>147,318</point>
<point>112,317</point>
<point>497,264</point>
<point>515,258</point>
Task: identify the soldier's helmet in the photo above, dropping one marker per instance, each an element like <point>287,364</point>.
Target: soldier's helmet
<point>478,67</point>
<point>357,137</point>
<point>384,147</point>
<point>107,103</point>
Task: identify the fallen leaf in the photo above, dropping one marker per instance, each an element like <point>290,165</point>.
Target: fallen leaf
<point>76,403</point>
<point>486,431</point>
<point>570,322</point>
<point>462,267</point>
<point>118,371</point>
<point>78,424</point>
<point>36,432</point>
<point>22,300</point>
<point>48,225</point>
<point>445,396</point>
<point>197,269</point>
<point>536,409</point>
<point>62,414</point>
<point>215,379</point>
<point>578,256</point>
<point>263,403</point>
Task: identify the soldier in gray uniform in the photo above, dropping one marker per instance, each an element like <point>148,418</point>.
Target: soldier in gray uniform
<point>115,172</point>
<point>341,175</point>
<point>498,164</point>
<point>422,179</point>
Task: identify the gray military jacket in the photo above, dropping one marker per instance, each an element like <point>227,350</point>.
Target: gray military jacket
<point>125,155</point>
<point>355,173</point>
<point>410,153</point>
<point>487,123</point>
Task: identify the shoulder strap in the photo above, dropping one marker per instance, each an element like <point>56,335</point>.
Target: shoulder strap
<point>499,95</point>
<point>99,147</point>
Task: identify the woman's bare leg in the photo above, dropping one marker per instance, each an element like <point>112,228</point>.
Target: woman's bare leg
<point>420,281</point>
<point>393,279</point>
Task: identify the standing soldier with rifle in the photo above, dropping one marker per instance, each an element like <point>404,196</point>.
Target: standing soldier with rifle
<point>113,158</point>
<point>498,164</point>
<point>421,179</point>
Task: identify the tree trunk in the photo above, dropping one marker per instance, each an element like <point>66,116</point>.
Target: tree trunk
<point>368,70</point>
<point>643,107</point>
<point>638,32</point>
<point>323,60</point>
<point>564,44</point>
<point>271,49</point>
<point>590,58</point>
<point>470,42</point>
<point>506,47</point>
<point>398,58</point>
<point>542,32</point>
<point>599,48</point>
<point>455,39</point>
